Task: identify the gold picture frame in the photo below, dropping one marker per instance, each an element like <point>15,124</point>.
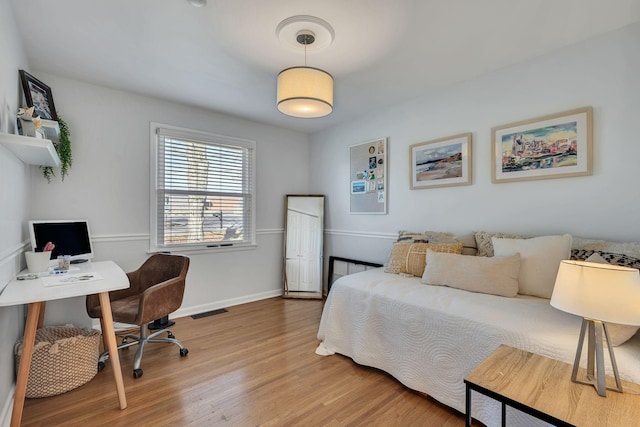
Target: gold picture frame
<point>441,162</point>
<point>554,146</point>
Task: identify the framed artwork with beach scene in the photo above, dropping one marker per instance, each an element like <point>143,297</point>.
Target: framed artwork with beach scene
<point>441,162</point>
<point>554,146</point>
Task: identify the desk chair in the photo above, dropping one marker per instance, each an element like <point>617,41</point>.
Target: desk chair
<point>156,290</point>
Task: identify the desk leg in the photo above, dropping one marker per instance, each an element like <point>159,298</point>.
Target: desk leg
<point>109,336</point>
<point>504,414</point>
<point>28,341</point>
<point>41,315</point>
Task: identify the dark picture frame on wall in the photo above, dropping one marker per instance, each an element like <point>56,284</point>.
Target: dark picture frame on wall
<point>38,95</point>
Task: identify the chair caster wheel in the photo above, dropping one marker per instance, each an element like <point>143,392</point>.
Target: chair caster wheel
<point>184,352</point>
<point>100,366</point>
<point>170,335</point>
<point>137,373</point>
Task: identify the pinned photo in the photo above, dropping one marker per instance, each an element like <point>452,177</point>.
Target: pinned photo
<point>358,187</point>
<point>372,162</point>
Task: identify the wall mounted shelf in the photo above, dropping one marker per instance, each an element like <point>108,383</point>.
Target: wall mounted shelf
<point>32,151</point>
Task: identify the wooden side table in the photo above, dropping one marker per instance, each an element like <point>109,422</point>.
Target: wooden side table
<point>542,387</point>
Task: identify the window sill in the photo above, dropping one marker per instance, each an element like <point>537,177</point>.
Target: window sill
<point>190,250</point>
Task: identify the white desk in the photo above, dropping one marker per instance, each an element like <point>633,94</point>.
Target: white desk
<point>35,293</point>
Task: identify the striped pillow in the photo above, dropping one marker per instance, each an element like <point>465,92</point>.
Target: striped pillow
<point>410,259</point>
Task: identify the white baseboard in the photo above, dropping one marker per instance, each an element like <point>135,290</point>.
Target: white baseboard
<point>5,415</point>
<point>189,311</point>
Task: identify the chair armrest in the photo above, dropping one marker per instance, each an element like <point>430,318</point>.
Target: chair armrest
<point>131,290</point>
<point>92,302</point>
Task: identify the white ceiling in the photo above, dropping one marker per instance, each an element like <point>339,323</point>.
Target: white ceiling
<point>226,56</point>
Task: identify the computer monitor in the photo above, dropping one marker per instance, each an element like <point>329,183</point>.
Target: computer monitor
<point>70,237</point>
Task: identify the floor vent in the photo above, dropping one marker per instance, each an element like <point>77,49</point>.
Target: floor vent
<point>209,313</point>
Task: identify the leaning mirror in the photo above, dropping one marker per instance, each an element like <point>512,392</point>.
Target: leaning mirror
<point>303,240</point>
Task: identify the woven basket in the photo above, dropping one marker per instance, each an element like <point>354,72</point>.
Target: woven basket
<point>64,357</point>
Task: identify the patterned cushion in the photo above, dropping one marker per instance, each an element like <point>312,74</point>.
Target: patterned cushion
<point>425,237</point>
<point>631,249</point>
<point>410,259</point>
<point>484,244</point>
<point>615,259</point>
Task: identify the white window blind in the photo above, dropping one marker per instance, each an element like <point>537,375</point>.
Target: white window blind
<point>204,190</point>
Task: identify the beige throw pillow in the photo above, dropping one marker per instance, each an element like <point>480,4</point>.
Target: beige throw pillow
<point>411,258</point>
<point>539,261</point>
<point>488,275</point>
<point>618,333</point>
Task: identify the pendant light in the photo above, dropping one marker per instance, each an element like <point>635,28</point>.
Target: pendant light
<point>304,91</point>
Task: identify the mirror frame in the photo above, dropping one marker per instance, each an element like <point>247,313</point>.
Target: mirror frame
<point>302,294</point>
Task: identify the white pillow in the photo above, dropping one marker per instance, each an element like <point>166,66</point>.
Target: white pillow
<point>618,333</point>
<point>539,261</point>
<point>495,275</point>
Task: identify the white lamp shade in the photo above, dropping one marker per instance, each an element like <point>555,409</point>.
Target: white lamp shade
<point>305,92</point>
<point>604,292</point>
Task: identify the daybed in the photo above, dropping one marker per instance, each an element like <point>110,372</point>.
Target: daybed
<point>430,337</point>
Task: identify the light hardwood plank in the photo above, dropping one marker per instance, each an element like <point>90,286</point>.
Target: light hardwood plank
<point>254,365</point>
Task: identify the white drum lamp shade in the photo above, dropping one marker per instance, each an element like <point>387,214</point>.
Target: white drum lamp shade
<point>599,293</point>
<point>605,292</point>
<point>305,92</point>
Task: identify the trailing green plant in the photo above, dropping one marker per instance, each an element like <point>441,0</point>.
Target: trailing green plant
<point>63,148</point>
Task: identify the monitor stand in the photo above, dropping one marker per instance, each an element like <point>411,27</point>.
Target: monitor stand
<point>79,261</point>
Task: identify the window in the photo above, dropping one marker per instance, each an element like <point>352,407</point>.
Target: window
<point>202,190</point>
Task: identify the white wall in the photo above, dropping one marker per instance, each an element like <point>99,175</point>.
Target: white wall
<point>602,73</point>
<point>14,202</point>
<point>109,185</point>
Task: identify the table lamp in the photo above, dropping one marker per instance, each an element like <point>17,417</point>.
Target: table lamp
<point>598,293</point>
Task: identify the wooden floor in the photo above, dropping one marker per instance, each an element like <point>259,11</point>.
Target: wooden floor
<point>254,365</point>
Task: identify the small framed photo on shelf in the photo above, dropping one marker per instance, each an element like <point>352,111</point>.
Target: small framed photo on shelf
<point>441,163</point>
<point>38,95</point>
<point>554,146</point>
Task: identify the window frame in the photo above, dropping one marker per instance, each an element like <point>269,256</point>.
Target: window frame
<point>206,137</point>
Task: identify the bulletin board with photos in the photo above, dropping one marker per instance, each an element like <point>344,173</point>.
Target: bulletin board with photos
<point>368,177</point>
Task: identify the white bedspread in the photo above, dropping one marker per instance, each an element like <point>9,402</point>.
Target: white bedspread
<point>431,337</point>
